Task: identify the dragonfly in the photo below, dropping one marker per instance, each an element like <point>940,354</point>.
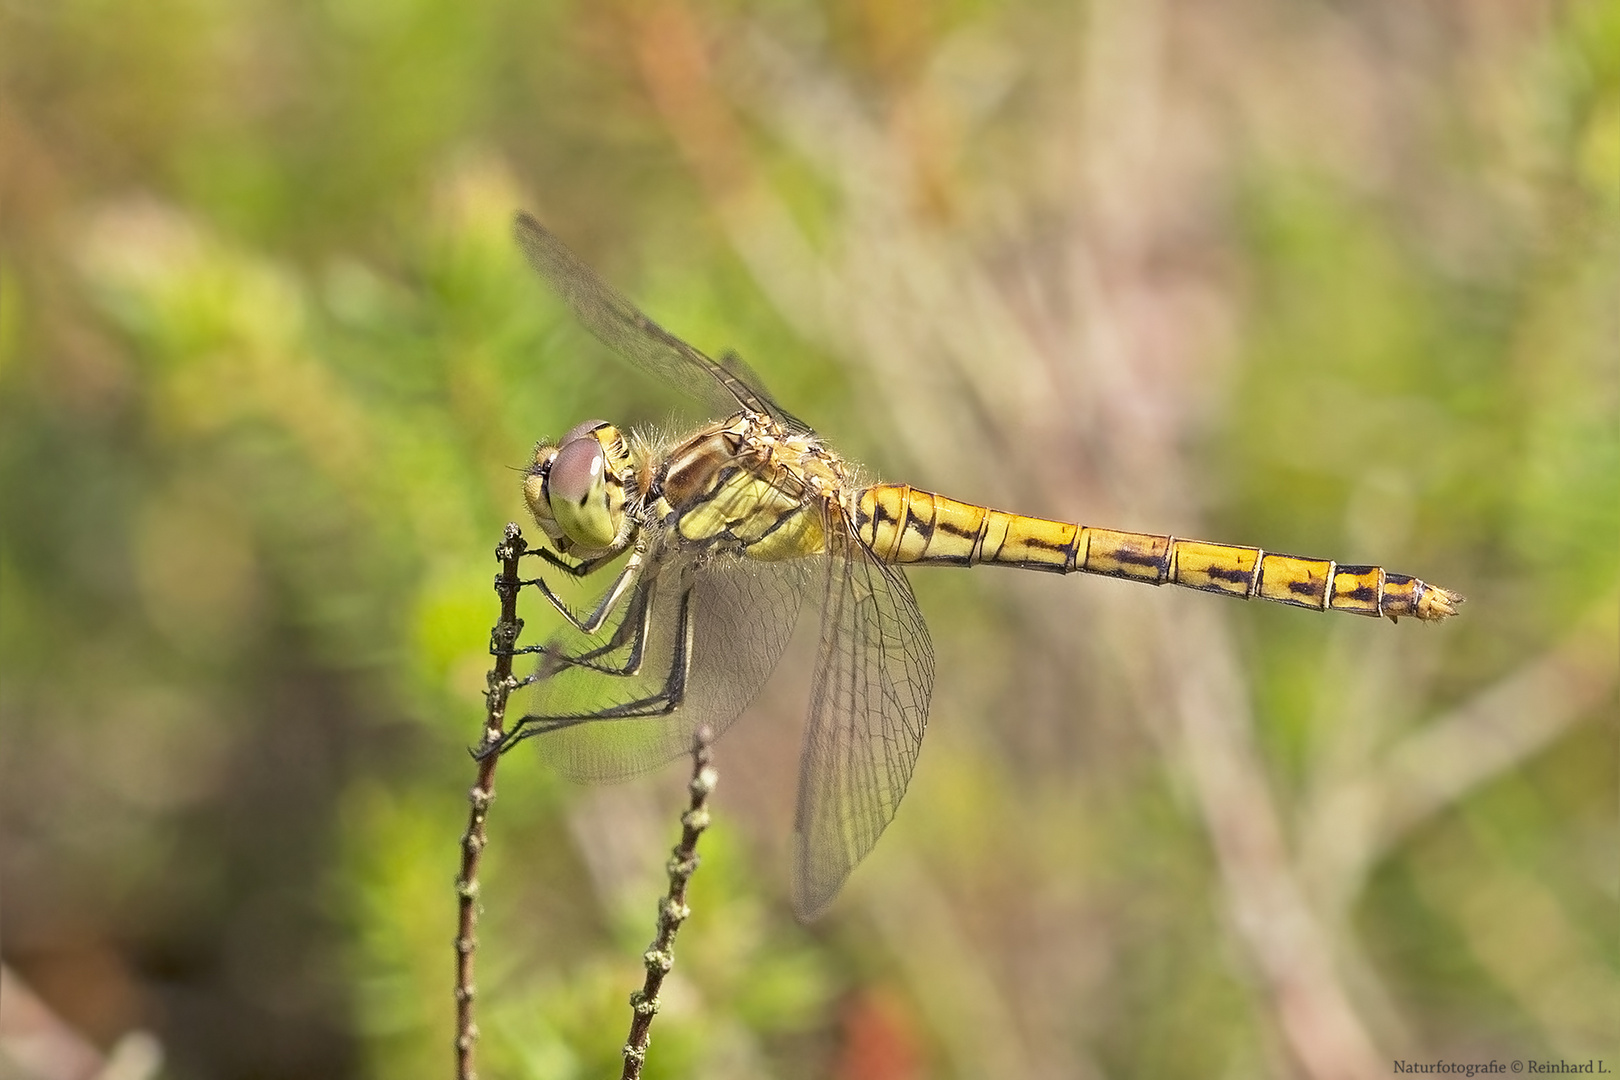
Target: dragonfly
<point>708,544</point>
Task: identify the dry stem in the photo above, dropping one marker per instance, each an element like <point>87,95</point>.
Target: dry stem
<point>672,909</point>
<point>503,639</point>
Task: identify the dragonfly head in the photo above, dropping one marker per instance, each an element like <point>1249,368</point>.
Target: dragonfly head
<point>576,488</point>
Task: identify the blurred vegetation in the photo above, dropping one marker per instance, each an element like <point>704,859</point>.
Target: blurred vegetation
<point>1337,279</point>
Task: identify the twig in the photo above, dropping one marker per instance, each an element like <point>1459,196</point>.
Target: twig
<point>1271,915</point>
<point>502,642</point>
<point>672,910</point>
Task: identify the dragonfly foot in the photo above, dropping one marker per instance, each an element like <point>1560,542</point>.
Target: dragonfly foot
<point>489,749</point>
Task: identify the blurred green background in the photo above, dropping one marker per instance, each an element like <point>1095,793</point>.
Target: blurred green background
<point>1326,278</point>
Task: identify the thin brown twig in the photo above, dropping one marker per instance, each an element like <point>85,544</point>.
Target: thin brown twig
<point>1271,915</point>
<point>503,639</point>
<point>672,909</point>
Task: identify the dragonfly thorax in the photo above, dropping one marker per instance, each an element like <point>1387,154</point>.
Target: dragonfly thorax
<point>748,486</point>
<point>576,488</point>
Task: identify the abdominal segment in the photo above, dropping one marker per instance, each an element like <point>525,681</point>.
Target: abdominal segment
<point>904,525</point>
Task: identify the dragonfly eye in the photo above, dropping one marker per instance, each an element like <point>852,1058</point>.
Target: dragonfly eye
<point>586,502</point>
<point>579,431</point>
<point>534,491</point>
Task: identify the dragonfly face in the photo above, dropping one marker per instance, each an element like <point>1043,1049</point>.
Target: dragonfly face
<point>576,489</point>
<point>723,534</point>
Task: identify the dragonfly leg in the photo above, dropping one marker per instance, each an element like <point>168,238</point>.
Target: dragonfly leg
<point>583,568</point>
<point>633,630</point>
<point>589,625</point>
<point>592,624</point>
<point>668,698</point>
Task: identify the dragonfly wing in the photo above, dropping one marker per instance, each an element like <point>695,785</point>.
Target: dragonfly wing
<point>617,323</point>
<point>868,710</point>
<point>741,615</point>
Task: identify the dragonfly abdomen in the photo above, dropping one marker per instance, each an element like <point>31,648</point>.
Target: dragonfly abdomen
<point>905,525</point>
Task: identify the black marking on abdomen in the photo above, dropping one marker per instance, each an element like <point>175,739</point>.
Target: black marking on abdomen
<point>1365,593</point>
<point>952,529</point>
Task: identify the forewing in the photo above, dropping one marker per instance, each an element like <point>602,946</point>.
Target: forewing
<point>622,327</point>
<point>868,712</point>
<point>742,614</point>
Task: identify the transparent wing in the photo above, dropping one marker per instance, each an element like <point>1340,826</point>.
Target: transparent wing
<point>734,615</point>
<point>723,387</point>
<point>868,710</point>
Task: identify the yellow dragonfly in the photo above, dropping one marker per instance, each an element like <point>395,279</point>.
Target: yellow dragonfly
<point>723,531</point>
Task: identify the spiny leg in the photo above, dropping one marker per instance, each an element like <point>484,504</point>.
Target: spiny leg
<point>662,703</point>
<point>633,630</point>
<point>592,624</point>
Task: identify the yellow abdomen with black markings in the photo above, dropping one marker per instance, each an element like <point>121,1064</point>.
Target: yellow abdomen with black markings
<point>904,525</point>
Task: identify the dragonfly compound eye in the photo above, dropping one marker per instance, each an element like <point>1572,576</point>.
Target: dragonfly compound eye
<point>583,430</point>
<point>534,489</point>
<point>586,502</point>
